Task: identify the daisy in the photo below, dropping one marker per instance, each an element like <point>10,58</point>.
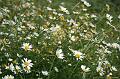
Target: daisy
<point>18,69</point>
<point>8,77</point>
<point>63,9</point>
<point>11,67</point>
<point>113,68</point>
<point>86,3</point>
<point>27,65</point>
<point>84,68</point>
<point>115,45</point>
<point>59,54</point>
<point>45,73</point>
<point>109,17</point>
<point>26,46</point>
<point>78,54</point>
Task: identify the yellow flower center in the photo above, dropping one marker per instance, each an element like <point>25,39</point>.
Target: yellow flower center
<point>77,55</point>
<point>26,47</point>
<point>26,63</point>
<point>26,68</point>
<point>62,18</point>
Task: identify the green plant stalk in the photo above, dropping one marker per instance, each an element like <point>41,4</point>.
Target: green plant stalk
<point>51,69</point>
<point>84,75</point>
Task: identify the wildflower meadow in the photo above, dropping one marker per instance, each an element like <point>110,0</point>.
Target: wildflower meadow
<point>59,39</point>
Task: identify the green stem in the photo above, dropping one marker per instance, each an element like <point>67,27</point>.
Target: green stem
<point>51,69</point>
<point>73,70</point>
<point>84,75</point>
<point>21,77</point>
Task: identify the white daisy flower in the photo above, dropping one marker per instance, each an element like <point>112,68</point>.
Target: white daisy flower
<point>109,17</point>
<point>114,68</point>
<point>26,46</point>
<point>8,77</point>
<point>48,8</point>
<point>73,38</point>
<point>59,54</point>
<point>45,73</point>
<point>11,67</point>
<point>63,9</point>
<point>118,16</point>
<point>78,54</point>
<point>27,65</point>
<point>84,68</point>
<point>18,69</point>
<point>86,3</point>
<point>115,45</point>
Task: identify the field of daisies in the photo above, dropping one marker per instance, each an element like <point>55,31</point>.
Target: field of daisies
<point>59,39</point>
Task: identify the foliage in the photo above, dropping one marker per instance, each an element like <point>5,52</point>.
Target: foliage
<point>59,39</point>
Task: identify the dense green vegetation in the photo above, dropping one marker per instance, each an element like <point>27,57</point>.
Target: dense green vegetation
<point>59,39</point>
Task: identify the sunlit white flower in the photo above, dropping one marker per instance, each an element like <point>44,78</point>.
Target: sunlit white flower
<point>26,46</point>
<point>54,29</point>
<point>118,16</point>
<point>102,65</point>
<point>69,64</point>
<point>113,68</point>
<point>76,12</point>
<point>72,22</point>
<point>78,54</point>
<point>115,45</point>
<point>84,68</point>
<point>11,67</point>
<point>59,53</point>
<point>6,66</point>
<point>92,25</point>
<point>84,9</point>
<point>73,38</point>
<point>45,73</point>
<point>50,1</point>
<point>100,70</point>
<point>86,3</point>
<point>27,62</point>
<point>48,8</point>
<point>109,17</point>
<point>64,9</point>
<point>10,59</point>
<point>93,16</point>
<point>55,13</point>
<point>60,14</point>
<point>8,77</point>
<point>27,65</point>
<point>18,55</point>
<point>51,17</point>
<point>18,69</point>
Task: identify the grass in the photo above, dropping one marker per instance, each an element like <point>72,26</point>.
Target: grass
<point>48,28</point>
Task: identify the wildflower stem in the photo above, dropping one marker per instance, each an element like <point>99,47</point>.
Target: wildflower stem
<point>51,69</point>
<point>73,70</point>
<point>21,77</point>
<point>75,6</point>
<point>84,75</point>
